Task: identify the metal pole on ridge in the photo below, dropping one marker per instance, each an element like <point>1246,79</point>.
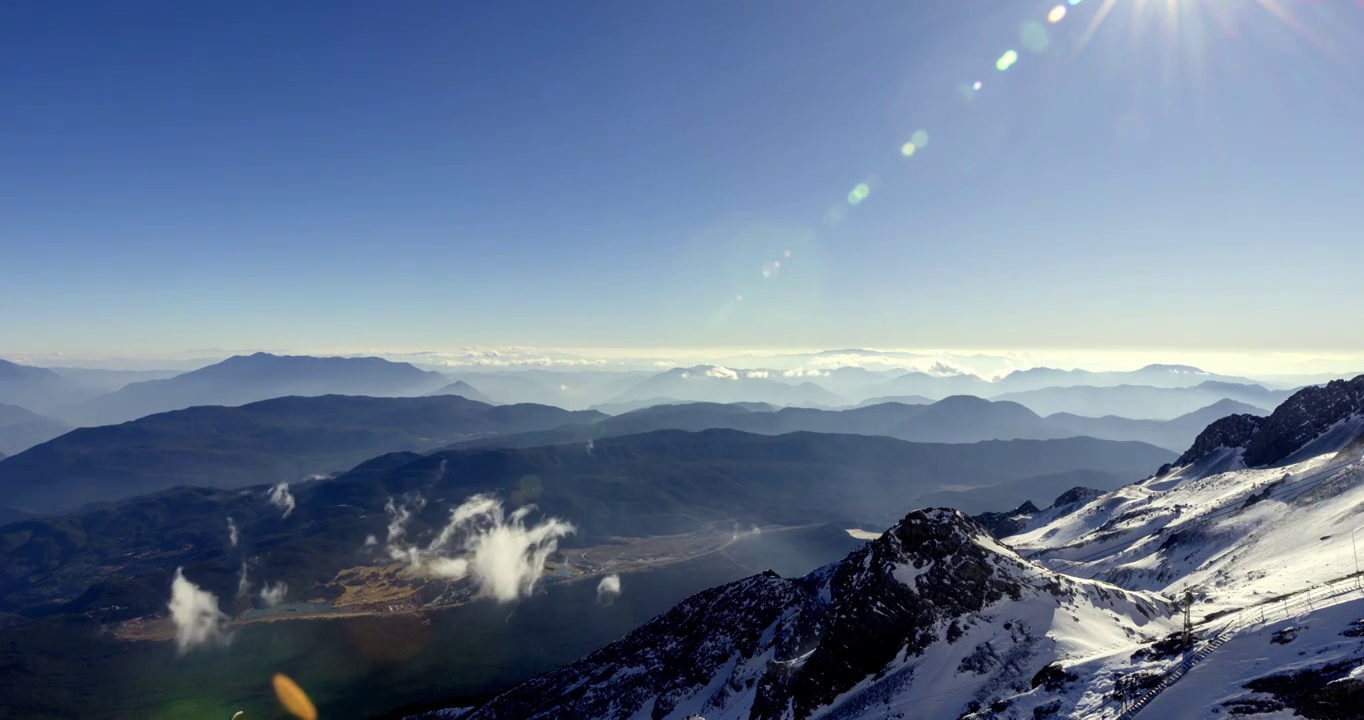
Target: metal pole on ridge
<point>1355,547</point>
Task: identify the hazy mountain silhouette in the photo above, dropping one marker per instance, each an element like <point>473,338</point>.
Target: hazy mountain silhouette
<point>13,415</point>
<point>247,378</point>
<point>574,390</point>
<point>713,383</point>
<point>1174,434</point>
<point>1161,376</point>
<point>106,381</point>
<point>930,386</point>
<point>280,439</point>
<point>848,382</point>
<point>21,429</point>
<point>902,399</point>
<point>1143,402</point>
<point>951,420</point>
<point>936,386</point>
<point>957,419</point>
<point>464,390</point>
<point>39,389</point>
<point>632,405</point>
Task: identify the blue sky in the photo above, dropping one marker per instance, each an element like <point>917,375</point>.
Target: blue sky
<point>618,174</point>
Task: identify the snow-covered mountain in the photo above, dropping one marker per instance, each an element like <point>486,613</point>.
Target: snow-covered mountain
<point>1313,421</point>
<point>1075,613</point>
<point>931,618</point>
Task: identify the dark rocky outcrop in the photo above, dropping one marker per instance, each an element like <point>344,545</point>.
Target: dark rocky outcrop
<point>1304,417</point>
<point>1013,522</point>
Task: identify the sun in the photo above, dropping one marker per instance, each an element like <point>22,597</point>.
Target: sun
<point>1178,31</point>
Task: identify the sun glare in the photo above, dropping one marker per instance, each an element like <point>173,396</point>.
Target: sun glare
<point>1182,28</point>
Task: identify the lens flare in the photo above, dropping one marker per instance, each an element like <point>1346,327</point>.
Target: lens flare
<point>1073,3</point>
<point>919,138</point>
<point>292,697</point>
<point>859,193</point>
<point>907,149</point>
<point>1057,14</point>
<point>1006,61</point>
<point>1034,37</point>
<point>977,85</point>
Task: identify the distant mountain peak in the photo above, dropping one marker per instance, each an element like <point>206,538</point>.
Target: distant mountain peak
<point>966,401</point>
<point>246,378</point>
<point>1174,369</point>
<point>464,390</point>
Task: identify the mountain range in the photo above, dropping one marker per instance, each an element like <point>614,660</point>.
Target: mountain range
<point>38,389</point>
<point>86,396</point>
<point>713,383</point>
<point>1158,376</point>
<point>109,380</point>
<point>285,439</point>
<point>575,390</point>
<point>955,419</point>
<point>247,378</point>
<point>21,429</point>
<point>1142,402</point>
<point>1174,389</point>
<point>662,483</point>
<point>464,390</point>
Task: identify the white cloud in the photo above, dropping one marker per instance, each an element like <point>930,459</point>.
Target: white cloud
<point>198,621</point>
<point>371,541</point>
<point>501,554</point>
<point>502,357</point>
<point>608,589</point>
<point>398,516</point>
<point>760,374</point>
<point>281,498</point>
<point>273,594</point>
<point>802,372</point>
<point>942,369</point>
<point>232,534</point>
<point>751,532</point>
<point>243,582</point>
<point>719,371</point>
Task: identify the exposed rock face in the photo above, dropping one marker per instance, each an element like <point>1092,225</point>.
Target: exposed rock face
<point>1012,522</point>
<point>1304,417</point>
<point>1232,431</point>
<point>1009,522</point>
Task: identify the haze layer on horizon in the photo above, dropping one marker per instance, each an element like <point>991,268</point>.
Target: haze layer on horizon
<point>986,362</point>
